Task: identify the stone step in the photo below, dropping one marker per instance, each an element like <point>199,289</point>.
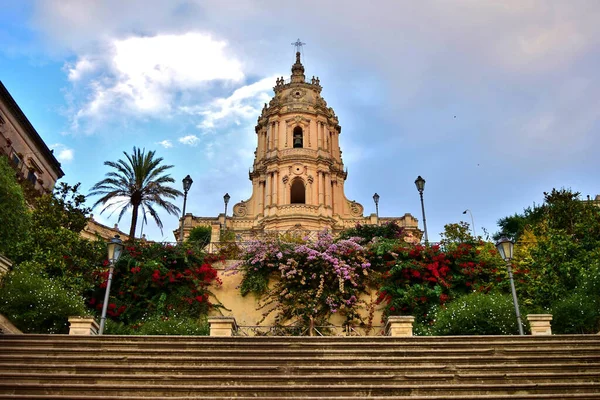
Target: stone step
<point>289,378</point>
<point>268,359</point>
<point>562,396</point>
<point>298,391</point>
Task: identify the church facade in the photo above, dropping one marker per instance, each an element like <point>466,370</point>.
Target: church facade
<point>298,174</point>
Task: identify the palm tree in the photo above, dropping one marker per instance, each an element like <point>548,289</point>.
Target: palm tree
<point>138,181</point>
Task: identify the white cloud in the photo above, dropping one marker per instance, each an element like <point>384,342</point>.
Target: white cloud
<point>244,103</point>
<point>82,67</point>
<point>167,144</point>
<point>143,75</point>
<point>190,140</point>
<point>62,153</point>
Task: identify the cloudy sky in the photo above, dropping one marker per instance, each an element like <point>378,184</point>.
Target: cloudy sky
<point>492,102</point>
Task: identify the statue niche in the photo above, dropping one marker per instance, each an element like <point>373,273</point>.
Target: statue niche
<point>297,192</point>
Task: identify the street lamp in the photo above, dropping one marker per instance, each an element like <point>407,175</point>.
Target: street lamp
<point>187,184</point>
<point>420,184</point>
<point>115,248</point>
<point>472,221</point>
<point>226,201</point>
<point>505,248</point>
<point>376,200</point>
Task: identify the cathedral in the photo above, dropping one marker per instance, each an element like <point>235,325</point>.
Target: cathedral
<point>298,174</point>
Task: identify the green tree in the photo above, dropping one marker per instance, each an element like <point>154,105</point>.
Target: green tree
<point>14,214</point>
<point>139,180</point>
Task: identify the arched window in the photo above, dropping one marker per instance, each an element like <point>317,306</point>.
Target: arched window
<point>297,192</point>
<point>298,137</point>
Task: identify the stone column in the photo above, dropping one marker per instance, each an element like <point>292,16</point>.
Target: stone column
<point>261,198</point>
<point>286,134</point>
<point>268,190</point>
<point>540,324</point>
<point>222,326</point>
<point>83,326</point>
<point>321,187</point>
<point>401,325</point>
<point>333,196</point>
<point>276,135</point>
<point>328,189</point>
<point>274,199</point>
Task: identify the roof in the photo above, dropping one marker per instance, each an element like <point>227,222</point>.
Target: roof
<point>30,130</point>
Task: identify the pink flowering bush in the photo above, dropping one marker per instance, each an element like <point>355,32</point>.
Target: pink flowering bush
<point>307,281</point>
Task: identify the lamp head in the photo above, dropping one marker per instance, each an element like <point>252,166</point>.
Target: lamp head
<point>505,248</point>
<point>376,198</point>
<point>187,183</point>
<point>115,248</point>
<point>226,198</point>
<point>420,184</point>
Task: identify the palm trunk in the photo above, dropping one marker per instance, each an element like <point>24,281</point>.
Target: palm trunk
<point>134,217</point>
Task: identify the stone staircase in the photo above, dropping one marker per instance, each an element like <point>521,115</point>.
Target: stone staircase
<point>126,367</point>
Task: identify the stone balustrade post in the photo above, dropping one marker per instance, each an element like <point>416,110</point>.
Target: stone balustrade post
<point>83,326</point>
<point>399,325</point>
<point>222,326</point>
<point>540,324</point>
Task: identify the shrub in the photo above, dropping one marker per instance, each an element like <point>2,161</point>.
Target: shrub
<point>36,303</point>
<point>577,313</point>
<point>174,325</point>
<point>15,217</point>
<point>477,314</point>
<point>200,235</point>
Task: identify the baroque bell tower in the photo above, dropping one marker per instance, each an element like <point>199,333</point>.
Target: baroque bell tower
<point>298,174</point>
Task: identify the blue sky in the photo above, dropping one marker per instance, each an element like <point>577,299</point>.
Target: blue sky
<point>492,102</point>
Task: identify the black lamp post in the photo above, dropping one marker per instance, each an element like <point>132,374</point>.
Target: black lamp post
<point>226,201</point>
<point>505,248</point>
<point>420,183</point>
<point>376,200</point>
<point>115,248</point>
<point>187,184</point>
<point>472,222</point>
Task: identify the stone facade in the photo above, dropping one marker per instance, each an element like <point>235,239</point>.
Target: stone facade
<point>94,230</point>
<point>24,147</point>
<point>298,174</point>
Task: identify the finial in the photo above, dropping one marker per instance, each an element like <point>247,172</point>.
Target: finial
<point>297,57</point>
<point>298,44</point>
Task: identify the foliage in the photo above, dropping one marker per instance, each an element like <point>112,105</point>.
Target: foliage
<point>418,279</point>
<point>54,241</point>
<point>310,281</point>
<point>456,233</point>
<point>138,181</point>
<point>200,234</point>
<point>173,325</point>
<point>64,208</point>
<point>560,250</point>
<point>577,313</point>
<point>152,280</point>
<point>14,214</point>
<point>36,303</point>
<point>478,314</point>
<point>366,233</point>
<point>513,226</point>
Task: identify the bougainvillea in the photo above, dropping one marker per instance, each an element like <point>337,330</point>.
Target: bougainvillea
<point>417,279</point>
<point>156,280</point>
<point>310,281</point>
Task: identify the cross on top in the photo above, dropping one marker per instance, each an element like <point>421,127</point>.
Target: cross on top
<point>298,44</point>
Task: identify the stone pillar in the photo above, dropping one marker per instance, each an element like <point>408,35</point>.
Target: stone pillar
<point>321,187</point>
<point>328,189</point>
<point>275,135</point>
<point>540,324</point>
<point>222,326</point>
<point>399,325</point>
<point>275,199</point>
<point>268,189</point>
<point>83,326</point>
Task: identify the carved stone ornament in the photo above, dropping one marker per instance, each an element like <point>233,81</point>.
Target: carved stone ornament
<point>297,169</point>
<point>240,209</point>
<point>355,208</point>
<point>311,179</point>
<point>285,179</point>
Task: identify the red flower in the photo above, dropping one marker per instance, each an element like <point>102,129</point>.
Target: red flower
<point>416,274</point>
